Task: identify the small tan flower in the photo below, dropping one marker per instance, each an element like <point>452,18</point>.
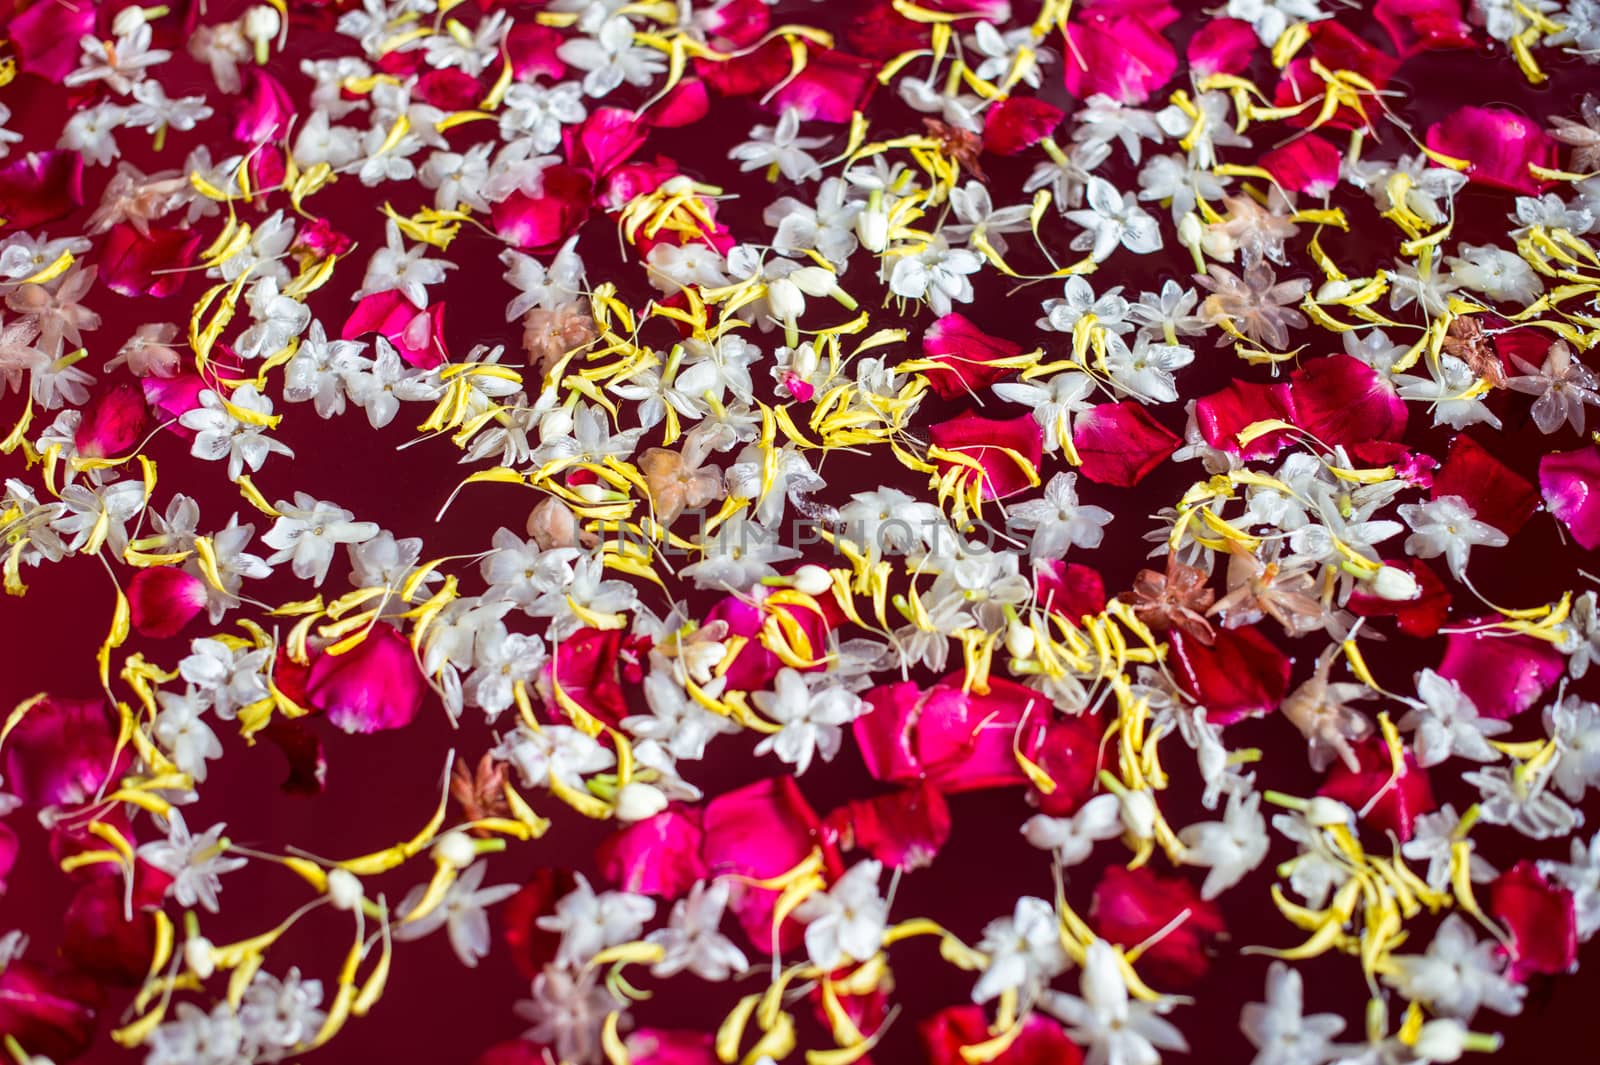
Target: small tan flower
<point>677,484</point>
<point>1176,599</point>
<point>548,335</point>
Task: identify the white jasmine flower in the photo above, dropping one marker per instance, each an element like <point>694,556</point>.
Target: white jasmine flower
<point>845,923</point>
<point>1116,1029</point>
<point>1495,272</point>
<point>810,719</point>
<point>781,148</point>
<point>1279,1029</point>
<point>1073,838</point>
<point>1059,521</point>
<point>1574,724</point>
<point>1024,951</point>
<point>1113,218</point>
<point>462,913</point>
<point>1447,723</point>
<point>691,941</point>
<point>394,267</point>
<point>934,272</point>
<point>187,739</point>
<point>1231,847</point>
<point>308,530</point>
<point>589,923</point>
<point>1446,526</point>
<point>195,863</point>
<point>1457,974</point>
<point>610,58</point>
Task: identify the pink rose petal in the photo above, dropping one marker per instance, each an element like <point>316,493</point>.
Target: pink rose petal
<point>1568,481</point>
<point>1120,443</point>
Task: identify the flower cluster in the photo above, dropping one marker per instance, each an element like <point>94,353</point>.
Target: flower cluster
<point>504,373</point>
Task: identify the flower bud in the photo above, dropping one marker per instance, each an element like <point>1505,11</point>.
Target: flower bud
<point>786,300</point>
<point>638,800</point>
<point>455,850</point>
<point>1139,813</point>
<point>128,20</point>
<point>812,579</point>
<point>1329,813</point>
<point>1019,639</point>
<point>1336,289</point>
<point>1441,1040</point>
<point>552,524</point>
<point>872,229</point>
<point>1395,585</point>
<point>344,889</point>
<point>197,956</point>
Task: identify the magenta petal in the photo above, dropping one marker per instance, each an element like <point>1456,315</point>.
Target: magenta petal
<point>535,222</point>
<point>1421,616</point>
<point>113,423</point>
<point>964,739</point>
<point>1071,751</point>
<point>300,747</point>
<point>1226,413</point>
<point>1499,144</point>
<point>1041,1041</point>
<point>100,940</point>
<point>515,1051</point>
<point>1241,674</point>
<point>47,1012</point>
<point>760,831</point>
<point>1395,806</point>
<point>376,685</point>
<point>904,829</point>
<point>982,439</point>
<point>1307,164</point>
<point>687,103</point>
<point>532,947</point>
<point>832,87</point>
<point>1423,25</point>
<point>585,664</point>
<point>417,335</point>
<point>1341,400</point>
<point>658,1046</point>
<point>532,50</point>
<point>62,752</point>
<point>1017,123</point>
<point>1540,918</point>
<point>135,265</point>
<point>1069,589</point>
<point>264,110</point>
<point>1131,906</point>
<point>46,36</point>
<point>449,89</point>
<point>172,397</point>
<point>1496,493</point>
<point>1122,57</point>
<point>964,353</point>
<point>163,599</point>
<point>1567,480</point>
<point>1222,46</point>
<point>1120,443</point>
<point>657,856</point>
<point>884,734</point>
<point>607,139</point>
<point>1502,674</point>
<point>40,187</point>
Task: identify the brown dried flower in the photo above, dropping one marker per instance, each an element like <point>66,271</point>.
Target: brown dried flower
<point>678,482</point>
<point>1258,588</point>
<point>1321,711</point>
<point>1175,599</point>
<point>548,335</point>
<point>1467,341</point>
<point>961,145</point>
<point>1258,305</point>
<point>481,793</point>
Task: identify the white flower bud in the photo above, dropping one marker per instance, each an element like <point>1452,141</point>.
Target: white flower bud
<point>872,229</point>
<point>262,23</point>
<point>1441,1040</point>
<point>638,800</point>
<point>786,300</point>
<point>1336,289</point>
<point>1328,813</point>
<point>1190,230</point>
<point>1395,585</point>
<point>197,956</point>
<point>812,579</point>
<point>455,849</point>
<point>344,888</point>
<point>1019,639</point>
<point>555,425</point>
<point>813,280</point>
<point>128,20</point>
<point>1139,813</point>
